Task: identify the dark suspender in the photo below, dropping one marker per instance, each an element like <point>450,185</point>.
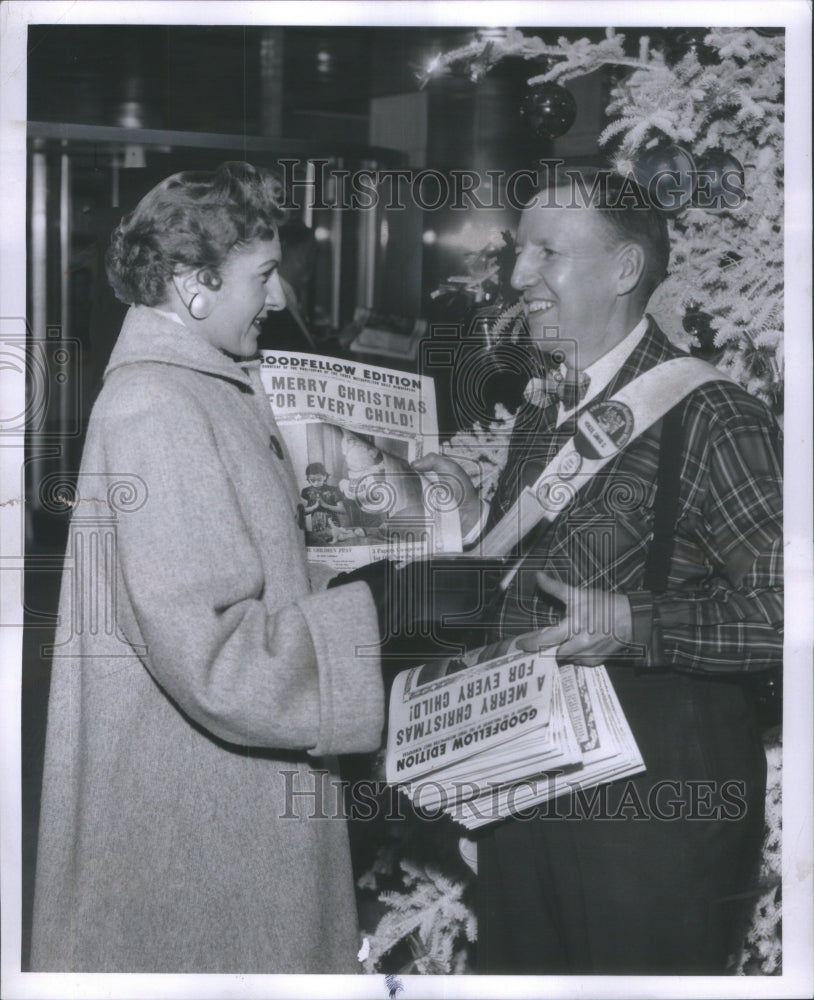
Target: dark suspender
<point>665,507</point>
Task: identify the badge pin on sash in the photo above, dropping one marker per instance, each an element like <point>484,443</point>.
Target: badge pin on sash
<point>602,430</point>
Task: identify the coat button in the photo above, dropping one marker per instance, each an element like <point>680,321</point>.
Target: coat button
<point>275,446</point>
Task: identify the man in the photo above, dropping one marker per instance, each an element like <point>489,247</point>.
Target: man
<point>652,879</point>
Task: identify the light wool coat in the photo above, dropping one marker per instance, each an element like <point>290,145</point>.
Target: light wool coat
<point>198,680</point>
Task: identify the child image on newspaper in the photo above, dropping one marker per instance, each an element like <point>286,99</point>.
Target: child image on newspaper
<point>375,489</point>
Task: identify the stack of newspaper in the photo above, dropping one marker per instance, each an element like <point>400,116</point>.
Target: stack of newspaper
<point>483,737</point>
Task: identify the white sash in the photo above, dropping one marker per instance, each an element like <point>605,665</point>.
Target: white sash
<point>604,428</point>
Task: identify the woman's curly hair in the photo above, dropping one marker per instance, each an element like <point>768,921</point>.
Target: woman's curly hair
<point>191,220</point>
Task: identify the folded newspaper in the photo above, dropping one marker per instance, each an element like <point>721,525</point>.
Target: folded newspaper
<point>484,736</point>
<point>352,431</point>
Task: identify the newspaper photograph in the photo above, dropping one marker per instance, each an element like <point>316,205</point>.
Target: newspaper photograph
<point>352,431</point>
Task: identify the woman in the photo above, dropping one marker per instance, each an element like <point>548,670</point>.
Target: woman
<point>199,678</point>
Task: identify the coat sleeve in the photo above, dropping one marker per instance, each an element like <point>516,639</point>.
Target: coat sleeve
<point>301,675</point>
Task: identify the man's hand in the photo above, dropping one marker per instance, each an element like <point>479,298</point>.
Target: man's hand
<point>459,484</point>
<point>596,624</point>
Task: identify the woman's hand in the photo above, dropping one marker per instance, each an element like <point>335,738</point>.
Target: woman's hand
<point>596,625</point>
<point>459,484</point>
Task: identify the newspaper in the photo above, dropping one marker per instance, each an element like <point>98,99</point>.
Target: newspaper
<point>484,737</point>
<point>352,431</point>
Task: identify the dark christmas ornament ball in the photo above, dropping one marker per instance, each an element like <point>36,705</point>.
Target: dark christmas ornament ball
<point>667,173</point>
<point>683,41</point>
<point>720,182</point>
<point>549,109</point>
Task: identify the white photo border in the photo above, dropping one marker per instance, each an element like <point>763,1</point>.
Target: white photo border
<point>798,783</point>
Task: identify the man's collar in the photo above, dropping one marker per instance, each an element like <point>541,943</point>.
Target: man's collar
<point>602,371</point>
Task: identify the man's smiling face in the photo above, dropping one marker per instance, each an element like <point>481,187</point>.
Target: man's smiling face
<point>567,270</point>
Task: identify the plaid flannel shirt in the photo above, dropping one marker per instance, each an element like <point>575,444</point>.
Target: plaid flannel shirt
<point>722,610</point>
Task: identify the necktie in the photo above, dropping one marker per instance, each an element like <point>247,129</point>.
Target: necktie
<point>567,385</point>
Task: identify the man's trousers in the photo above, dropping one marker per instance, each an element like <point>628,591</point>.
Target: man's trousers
<point>652,874</point>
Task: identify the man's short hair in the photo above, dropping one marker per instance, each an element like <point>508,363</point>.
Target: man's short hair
<point>624,208</point>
